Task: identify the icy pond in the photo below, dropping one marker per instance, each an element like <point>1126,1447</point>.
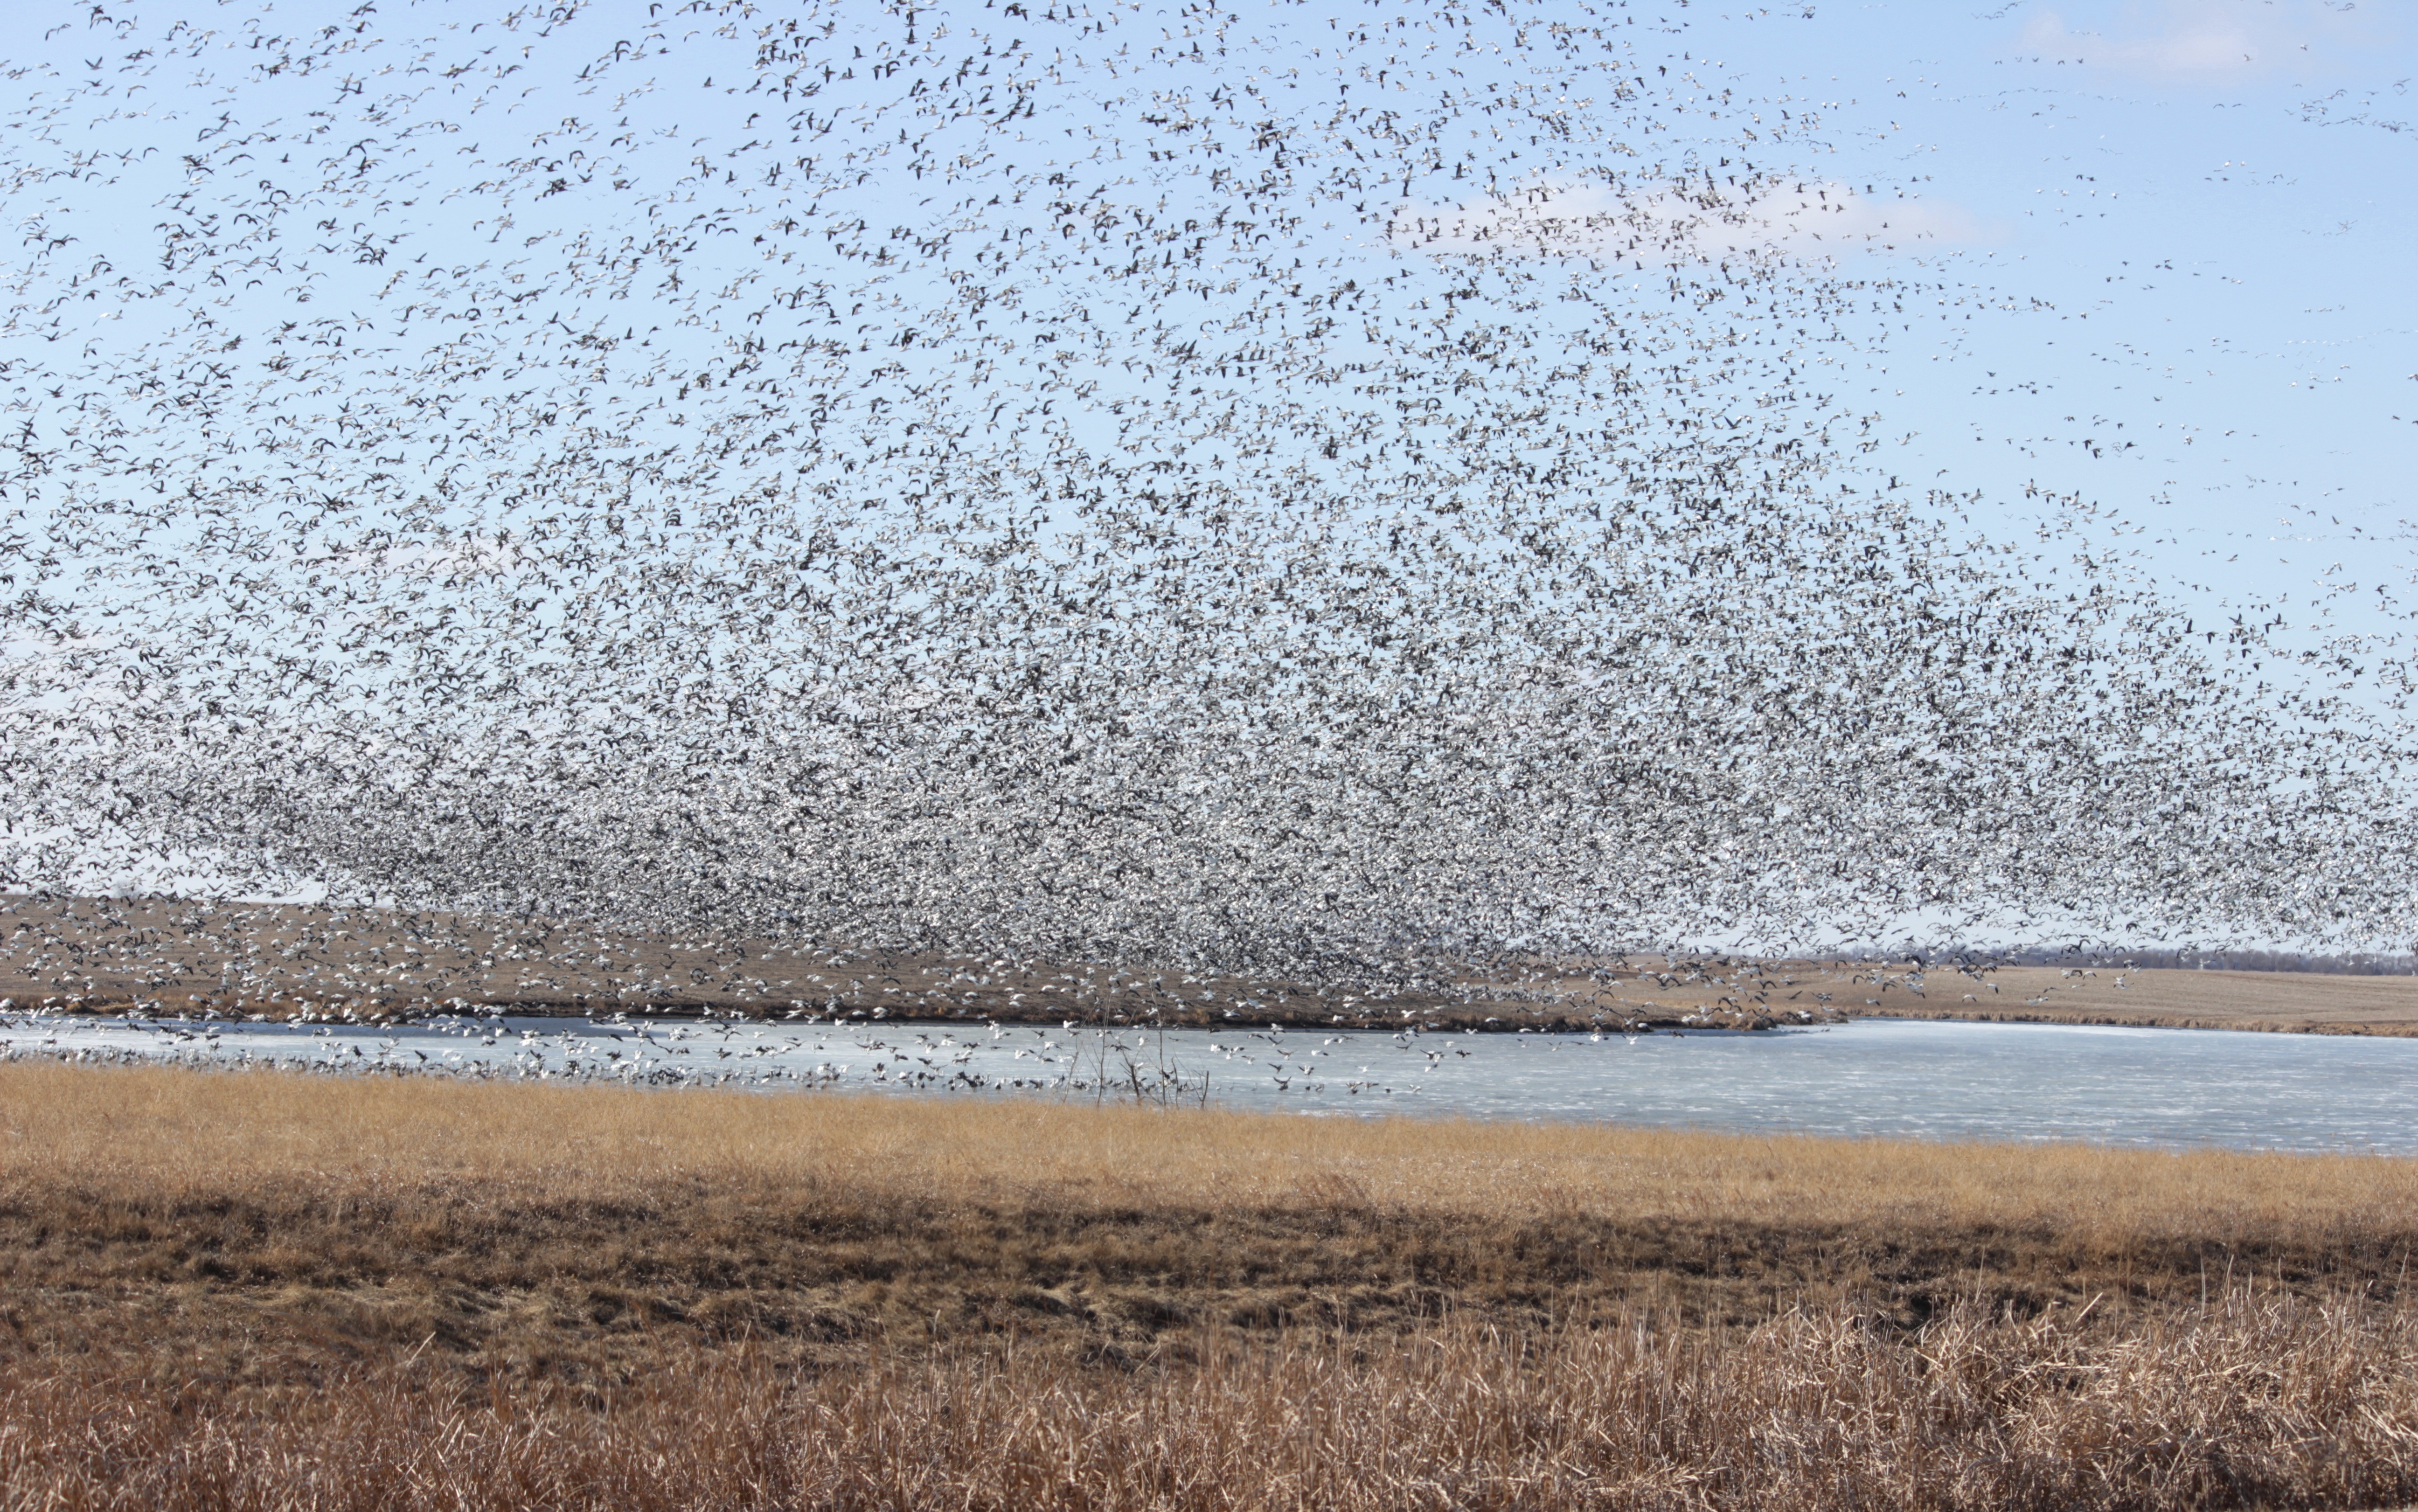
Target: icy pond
<point>2151,1087</point>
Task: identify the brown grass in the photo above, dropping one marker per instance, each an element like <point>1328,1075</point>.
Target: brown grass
<point>249,1289</point>
<point>2254,1405</point>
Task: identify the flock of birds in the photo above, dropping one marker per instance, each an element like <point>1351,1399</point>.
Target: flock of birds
<point>738,1051</point>
<point>1336,495</point>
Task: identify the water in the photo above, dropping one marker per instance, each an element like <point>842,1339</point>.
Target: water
<point>2150,1086</point>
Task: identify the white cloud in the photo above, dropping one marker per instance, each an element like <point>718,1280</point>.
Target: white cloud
<point>2205,41</point>
<point>1809,221</point>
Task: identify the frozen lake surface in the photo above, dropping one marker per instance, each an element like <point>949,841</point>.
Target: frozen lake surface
<point>2024,1082</point>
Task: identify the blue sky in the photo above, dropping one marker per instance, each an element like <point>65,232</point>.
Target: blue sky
<point>2213,202</point>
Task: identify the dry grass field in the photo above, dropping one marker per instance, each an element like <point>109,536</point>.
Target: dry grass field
<point>104,955</point>
<point>2280,1001</point>
<point>256,1290</point>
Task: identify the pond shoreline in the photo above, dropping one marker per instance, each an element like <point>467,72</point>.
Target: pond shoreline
<point>1887,1078</point>
<point>2090,1018</point>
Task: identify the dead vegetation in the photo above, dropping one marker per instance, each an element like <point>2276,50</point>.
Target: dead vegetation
<point>247,1289</point>
<point>2264,1403</point>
